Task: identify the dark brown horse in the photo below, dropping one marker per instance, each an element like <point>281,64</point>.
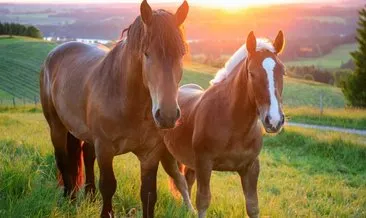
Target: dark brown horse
<point>115,100</point>
<point>219,128</point>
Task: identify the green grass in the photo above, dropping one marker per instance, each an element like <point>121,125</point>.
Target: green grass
<point>303,173</point>
<point>4,94</point>
<point>346,118</point>
<point>21,60</point>
<point>298,93</point>
<point>333,60</point>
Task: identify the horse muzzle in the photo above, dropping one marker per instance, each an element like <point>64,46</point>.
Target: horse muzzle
<point>165,120</point>
<point>272,126</point>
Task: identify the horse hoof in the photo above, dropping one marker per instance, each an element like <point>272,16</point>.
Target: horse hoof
<point>107,214</point>
<point>132,212</point>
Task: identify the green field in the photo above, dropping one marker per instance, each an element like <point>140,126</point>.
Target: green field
<point>333,60</point>
<point>21,60</point>
<point>303,173</point>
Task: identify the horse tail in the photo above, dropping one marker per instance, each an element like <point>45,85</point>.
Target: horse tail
<point>172,187</point>
<point>75,163</point>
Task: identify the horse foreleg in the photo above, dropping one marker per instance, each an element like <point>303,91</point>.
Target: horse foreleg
<point>107,183</point>
<point>249,179</point>
<point>203,197</point>
<point>148,193</point>
<point>89,159</point>
<point>171,167</point>
<point>190,176</point>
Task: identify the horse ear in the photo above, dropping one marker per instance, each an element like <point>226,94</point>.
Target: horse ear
<point>279,42</point>
<point>146,12</point>
<point>251,43</point>
<point>182,13</point>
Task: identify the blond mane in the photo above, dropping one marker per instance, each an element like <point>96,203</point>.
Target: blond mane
<point>239,55</point>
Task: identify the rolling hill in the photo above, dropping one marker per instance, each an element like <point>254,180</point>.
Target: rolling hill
<point>335,59</point>
<point>22,57</point>
<point>21,60</point>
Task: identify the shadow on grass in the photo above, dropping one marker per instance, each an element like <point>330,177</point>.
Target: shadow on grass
<point>335,157</point>
<point>21,109</point>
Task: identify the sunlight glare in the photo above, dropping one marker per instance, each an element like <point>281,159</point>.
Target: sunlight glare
<point>225,4</point>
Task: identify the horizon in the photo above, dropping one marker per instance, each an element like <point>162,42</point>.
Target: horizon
<point>232,5</point>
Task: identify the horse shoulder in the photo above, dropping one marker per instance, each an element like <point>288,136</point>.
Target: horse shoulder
<point>212,123</point>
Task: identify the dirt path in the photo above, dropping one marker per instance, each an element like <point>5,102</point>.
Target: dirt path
<point>331,128</point>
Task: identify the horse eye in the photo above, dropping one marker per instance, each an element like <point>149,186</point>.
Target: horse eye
<point>146,54</point>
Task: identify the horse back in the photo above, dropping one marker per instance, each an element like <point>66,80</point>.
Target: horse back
<point>189,94</point>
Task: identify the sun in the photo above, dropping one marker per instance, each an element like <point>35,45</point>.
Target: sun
<point>224,4</point>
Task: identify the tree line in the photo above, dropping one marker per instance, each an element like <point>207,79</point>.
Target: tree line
<point>19,30</point>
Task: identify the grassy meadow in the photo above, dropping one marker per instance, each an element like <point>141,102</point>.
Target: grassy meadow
<point>21,60</point>
<point>303,173</point>
<point>335,59</point>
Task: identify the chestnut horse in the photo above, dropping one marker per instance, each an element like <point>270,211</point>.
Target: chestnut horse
<point>219,128</point>
<point>116,101</point>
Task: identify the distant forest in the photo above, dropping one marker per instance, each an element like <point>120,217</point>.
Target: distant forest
<point>19,30</point>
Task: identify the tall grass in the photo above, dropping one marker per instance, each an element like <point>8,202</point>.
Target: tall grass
<point>303,173</point>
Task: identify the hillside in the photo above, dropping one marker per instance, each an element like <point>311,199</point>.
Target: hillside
<point>22,58</point>
<point>335,59</point>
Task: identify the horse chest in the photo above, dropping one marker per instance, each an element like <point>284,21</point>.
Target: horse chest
<point>238,154</point>
<point>234,160</point>
<point>139,140</point>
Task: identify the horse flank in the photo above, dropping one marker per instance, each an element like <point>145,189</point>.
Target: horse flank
<point>240,55</point>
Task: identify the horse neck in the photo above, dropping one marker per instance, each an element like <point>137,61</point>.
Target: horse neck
<point>242,105</point>
<point>127,77</point>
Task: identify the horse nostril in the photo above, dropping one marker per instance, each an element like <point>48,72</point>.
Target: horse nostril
<point>157,114</point>
<point>178,113</point>
<point>282,119</point>
<point>266,120</point>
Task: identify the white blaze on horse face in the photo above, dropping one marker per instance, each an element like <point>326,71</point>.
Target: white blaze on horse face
<point>274,112</point>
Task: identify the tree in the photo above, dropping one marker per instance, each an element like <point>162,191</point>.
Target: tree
<point>33,32</point>
<point>19,30</point>
<point>354,88</point>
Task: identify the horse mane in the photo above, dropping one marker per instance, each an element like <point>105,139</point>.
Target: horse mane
<point>239,56</point>
<point>164,33</point>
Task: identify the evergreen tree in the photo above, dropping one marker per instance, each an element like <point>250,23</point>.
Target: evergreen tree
<point>354,88</point>
<point>19,30</point>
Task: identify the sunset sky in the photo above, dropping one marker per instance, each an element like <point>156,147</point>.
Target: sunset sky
<point>210,3</point>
